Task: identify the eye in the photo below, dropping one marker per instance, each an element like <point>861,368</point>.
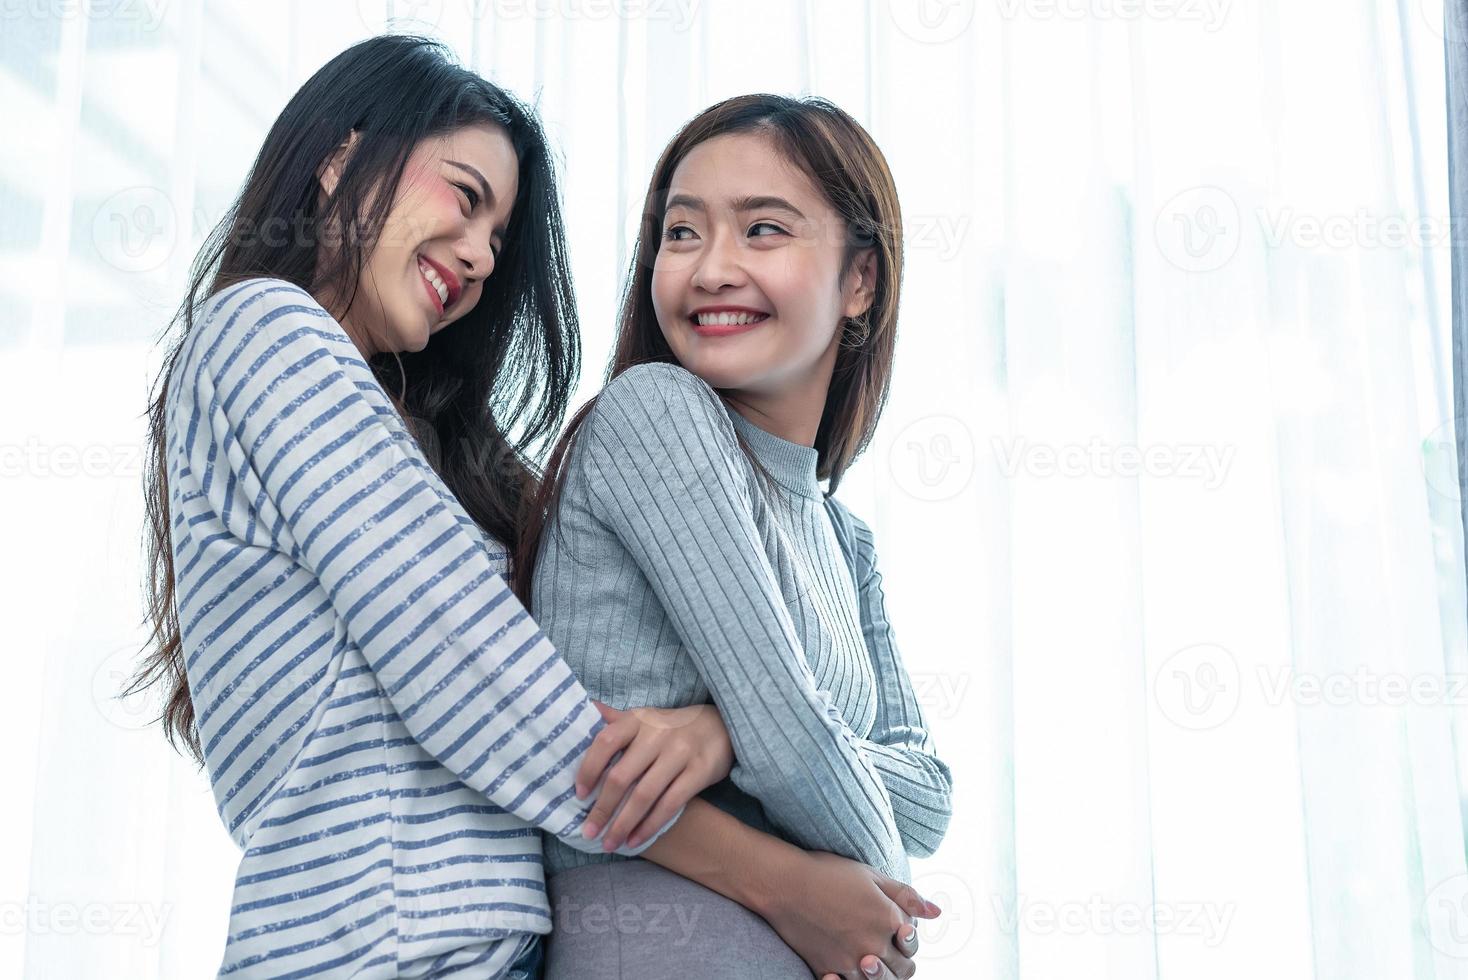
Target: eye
<point>471,194</point>
<point>766,224</point>
<point>672,233</point>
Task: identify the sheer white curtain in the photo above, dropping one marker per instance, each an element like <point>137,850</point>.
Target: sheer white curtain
<point>1165,494</point>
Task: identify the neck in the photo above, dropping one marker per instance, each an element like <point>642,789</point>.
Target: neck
<point>332,303</point>
<point>791,410</point>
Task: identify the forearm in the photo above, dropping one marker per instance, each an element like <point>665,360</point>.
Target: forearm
<point>831,911</point>
<point>816,786</point>
<point>726,855</point>
<point>921,789</point>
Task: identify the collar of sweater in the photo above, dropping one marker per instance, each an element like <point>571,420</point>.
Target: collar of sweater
<point>792,465</point>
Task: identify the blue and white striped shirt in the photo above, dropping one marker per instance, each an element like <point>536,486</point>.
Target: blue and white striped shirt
<point>384,725</point>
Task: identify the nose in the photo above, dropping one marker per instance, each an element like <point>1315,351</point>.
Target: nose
<point>719,264</point>
<point>476,258</point>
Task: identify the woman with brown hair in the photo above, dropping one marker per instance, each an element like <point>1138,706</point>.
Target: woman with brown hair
<point>681,550</point>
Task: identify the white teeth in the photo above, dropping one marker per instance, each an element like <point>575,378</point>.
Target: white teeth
<point>435,281</point>
<point>728,319</point>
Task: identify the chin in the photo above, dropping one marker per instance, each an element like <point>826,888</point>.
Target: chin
<point>416,338</point>
<point>721,372</point>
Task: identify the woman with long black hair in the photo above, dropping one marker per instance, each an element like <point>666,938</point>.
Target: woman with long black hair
<point>341,441</point>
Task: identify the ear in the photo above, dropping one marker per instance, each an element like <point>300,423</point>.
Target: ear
<point>861,283</point>
<point>330,170</point>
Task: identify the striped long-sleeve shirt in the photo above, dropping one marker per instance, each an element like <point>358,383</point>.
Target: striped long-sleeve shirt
<point>673,574</point>
<point>386,729</point>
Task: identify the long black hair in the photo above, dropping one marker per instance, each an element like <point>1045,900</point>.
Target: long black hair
<point>486,390</point>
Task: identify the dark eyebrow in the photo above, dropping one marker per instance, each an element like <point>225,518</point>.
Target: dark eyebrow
<point>766,203</point>
<point>758,202</point>
<point>685,201</point>
<point>483,184</point>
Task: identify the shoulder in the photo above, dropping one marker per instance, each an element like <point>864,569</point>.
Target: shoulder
<point>662,385</point>
<point>660,420</point>
<point>243,305</point>
<point>665,396</point>
<point>263,306</point>
<point>243,322</point>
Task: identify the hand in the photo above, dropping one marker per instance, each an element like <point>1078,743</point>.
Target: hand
<point>872,968</point>
<point>669,755</point>
<point>842,917</point>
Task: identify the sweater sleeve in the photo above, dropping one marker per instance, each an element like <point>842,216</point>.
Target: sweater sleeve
<point>899,745</point>
<point>282,405</point>
<point>661,460</point>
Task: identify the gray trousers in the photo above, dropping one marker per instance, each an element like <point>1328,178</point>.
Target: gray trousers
<point>633,920</point>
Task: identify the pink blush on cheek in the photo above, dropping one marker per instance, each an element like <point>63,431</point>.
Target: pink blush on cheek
<point>430,203</point>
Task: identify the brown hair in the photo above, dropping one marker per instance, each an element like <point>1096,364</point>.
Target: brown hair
<point>845,164</point>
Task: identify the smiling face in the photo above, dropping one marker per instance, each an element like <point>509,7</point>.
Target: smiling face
<point>747,283</point>
<point>439,241</point>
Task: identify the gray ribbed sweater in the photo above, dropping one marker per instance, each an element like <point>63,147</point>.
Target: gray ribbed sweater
<point>672,574</point>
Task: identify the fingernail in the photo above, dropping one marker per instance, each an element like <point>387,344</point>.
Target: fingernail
<point>907,936</point>
<point>634,842</point>
<point>934,910</point>
<point>870,969</point>
<point>590,829</point>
